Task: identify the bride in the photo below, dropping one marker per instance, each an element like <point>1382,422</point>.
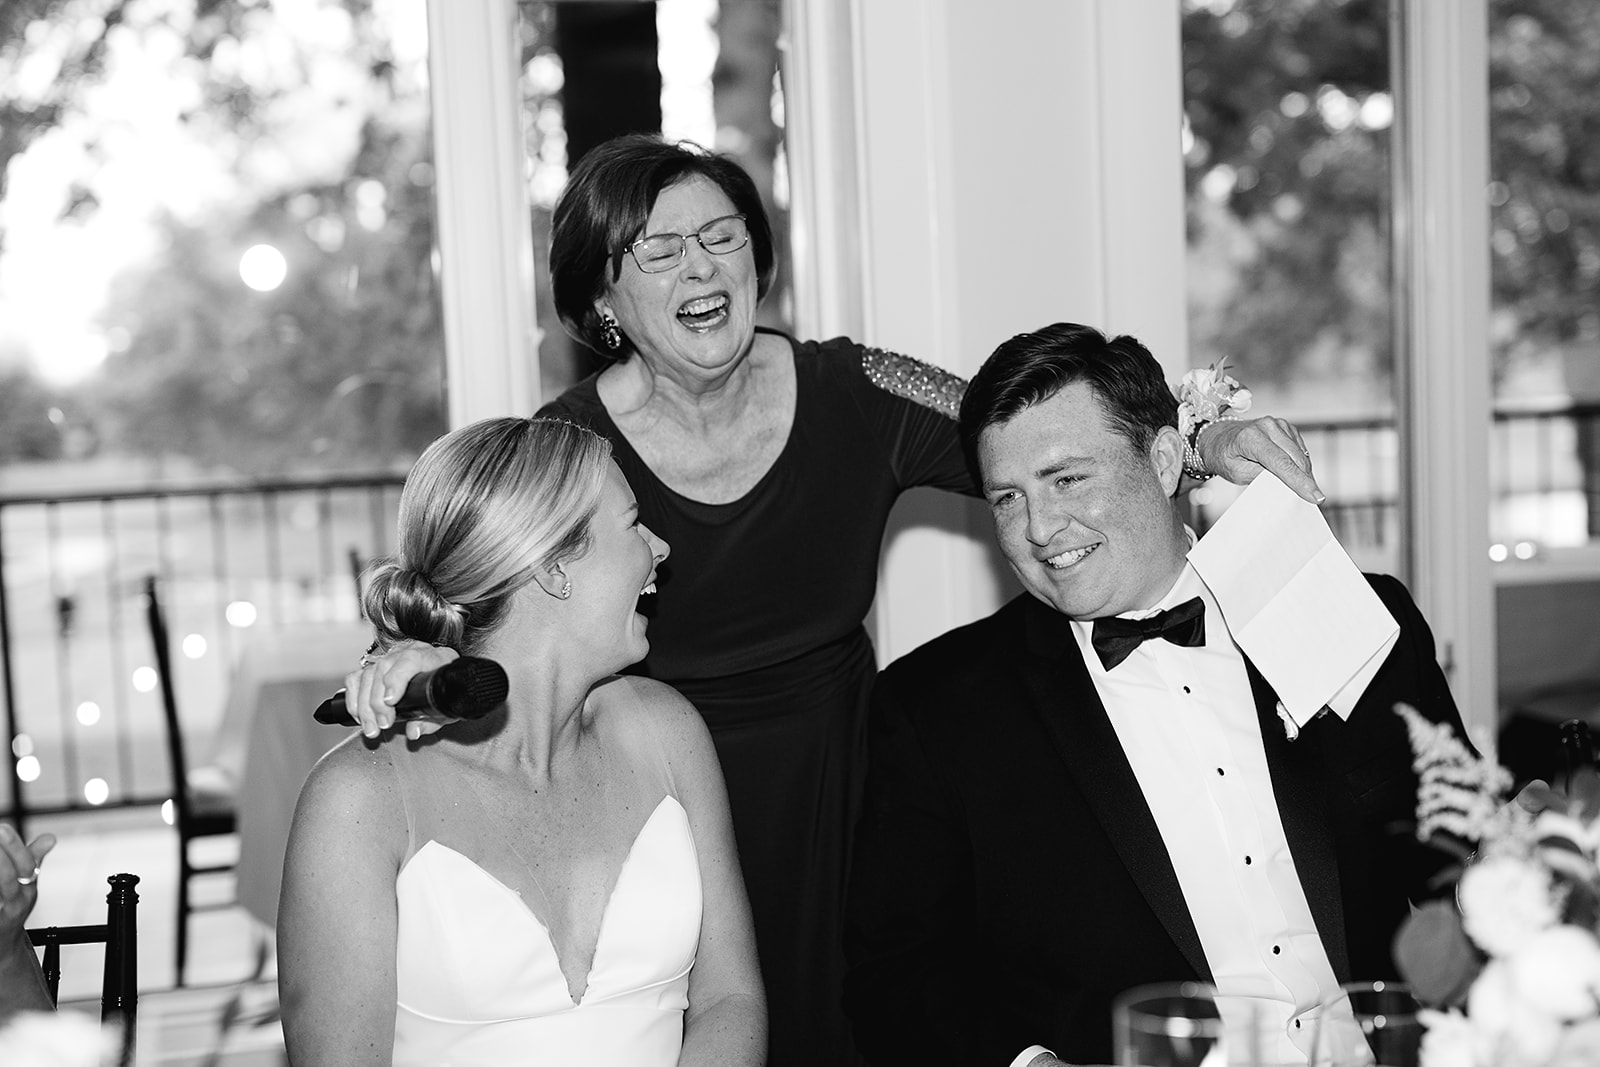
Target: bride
<point>555,883</point>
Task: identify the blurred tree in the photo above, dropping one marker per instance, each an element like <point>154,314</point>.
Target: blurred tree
<point>326,138</point>
<point>43,85</point>
<point>339,367</point>
<point>30,417</point>
<point>56,52</point>
<point>1288,105</point>
<point>1544,81</point>
<point>1287,170</point>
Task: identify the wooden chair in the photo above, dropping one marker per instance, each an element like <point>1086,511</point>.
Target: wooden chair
<point>119,989</point>
<point>196,813</point>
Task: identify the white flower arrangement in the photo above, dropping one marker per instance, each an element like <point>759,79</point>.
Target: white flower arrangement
<point>56,1039</point>
<point>1207,394</point>
<point>1512,965</point>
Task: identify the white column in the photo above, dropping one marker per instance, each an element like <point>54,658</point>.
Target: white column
<point>991,168</point>
<point>817,54</point>
<point>1442,245</point>
<point>485,230</point>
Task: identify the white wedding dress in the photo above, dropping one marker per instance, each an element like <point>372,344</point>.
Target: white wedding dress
<point>479,982</point>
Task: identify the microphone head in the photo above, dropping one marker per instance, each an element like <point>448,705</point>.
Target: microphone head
<point>468,688</point>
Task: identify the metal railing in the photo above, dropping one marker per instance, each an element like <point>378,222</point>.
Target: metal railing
<point>78,694</point>
<point>1544,480</point>
<point>1544,466</point>
<point>76,668</point>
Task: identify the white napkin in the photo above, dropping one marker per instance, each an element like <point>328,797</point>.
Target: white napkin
<point>1294,601</point>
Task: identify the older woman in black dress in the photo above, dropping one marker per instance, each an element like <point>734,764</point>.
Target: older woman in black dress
<point>771,465</point>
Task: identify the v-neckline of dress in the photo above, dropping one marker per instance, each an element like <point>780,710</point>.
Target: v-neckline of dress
<point>545,927</point>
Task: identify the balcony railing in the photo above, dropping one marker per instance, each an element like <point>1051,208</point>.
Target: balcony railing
<point>1544,481</point>
<point>77,681</point>
<point>76,667</point>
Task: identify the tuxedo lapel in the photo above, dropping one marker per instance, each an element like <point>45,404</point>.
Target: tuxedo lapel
<point>1299,784</point>
<point>1064,697</point>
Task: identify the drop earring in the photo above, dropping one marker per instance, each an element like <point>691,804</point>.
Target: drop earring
<point>610,333</point>
<point>566,589</point>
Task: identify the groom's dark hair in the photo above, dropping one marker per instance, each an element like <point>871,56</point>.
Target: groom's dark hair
<point>1033,367</point>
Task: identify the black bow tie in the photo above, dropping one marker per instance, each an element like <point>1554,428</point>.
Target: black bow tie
<point>1114,639</point>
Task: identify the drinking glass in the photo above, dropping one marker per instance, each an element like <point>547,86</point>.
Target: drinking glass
<point>1168,1025</point>
<point>1385,1013</point>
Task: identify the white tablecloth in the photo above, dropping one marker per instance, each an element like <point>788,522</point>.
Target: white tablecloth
<point>268,741</point>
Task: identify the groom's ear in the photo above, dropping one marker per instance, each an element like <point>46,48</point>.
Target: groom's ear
<point>1166,458</point>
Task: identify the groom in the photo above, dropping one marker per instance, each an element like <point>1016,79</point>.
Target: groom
<point>1057,811</point>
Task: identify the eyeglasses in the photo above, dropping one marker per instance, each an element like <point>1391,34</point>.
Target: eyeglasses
<point>663,251</point>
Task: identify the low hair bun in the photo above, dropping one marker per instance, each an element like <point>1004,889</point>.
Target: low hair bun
<point>402,603</point>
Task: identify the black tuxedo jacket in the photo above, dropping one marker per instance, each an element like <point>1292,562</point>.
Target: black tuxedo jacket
<point>1009,880</point>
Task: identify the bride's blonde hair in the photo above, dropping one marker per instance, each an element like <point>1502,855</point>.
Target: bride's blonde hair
<point>485,506</point>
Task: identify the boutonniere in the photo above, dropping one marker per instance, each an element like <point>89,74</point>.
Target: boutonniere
<point>1291,729</point>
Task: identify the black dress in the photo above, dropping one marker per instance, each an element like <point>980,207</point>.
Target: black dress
<point>759,624</point>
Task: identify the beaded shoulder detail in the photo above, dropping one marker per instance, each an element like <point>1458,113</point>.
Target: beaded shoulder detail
<point>922,383</point>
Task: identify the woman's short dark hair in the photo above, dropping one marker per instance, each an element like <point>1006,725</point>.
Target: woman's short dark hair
<point>1033,367</point>
<point>606,204</point>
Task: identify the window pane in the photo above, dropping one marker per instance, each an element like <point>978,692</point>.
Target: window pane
<point>1544,198</point>
<point>1545,256</point>
<point>218,236</point>
<point>217,295</point>
<point>1288,113</point>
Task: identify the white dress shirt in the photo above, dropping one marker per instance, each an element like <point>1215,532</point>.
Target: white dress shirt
<point>1187,722</point>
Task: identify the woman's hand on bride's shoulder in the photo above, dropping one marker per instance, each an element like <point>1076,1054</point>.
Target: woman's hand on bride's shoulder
<point>373,688</point>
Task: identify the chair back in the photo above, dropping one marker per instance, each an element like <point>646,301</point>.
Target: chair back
<point>183,813</point>
<point>119,987</point>
<point>197,814</point>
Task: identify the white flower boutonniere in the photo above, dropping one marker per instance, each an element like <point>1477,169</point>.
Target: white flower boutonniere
<point>1291,729</point>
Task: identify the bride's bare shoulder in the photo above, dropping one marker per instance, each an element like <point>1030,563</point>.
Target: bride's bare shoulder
<point>626,692</point>
<point>636,706</point>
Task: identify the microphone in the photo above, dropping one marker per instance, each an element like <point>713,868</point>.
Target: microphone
<point>466,688</point>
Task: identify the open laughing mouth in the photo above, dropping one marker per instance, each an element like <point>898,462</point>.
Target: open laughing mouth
<point>705,312</point>
<point>1069,558</point>
<point>646,605</point>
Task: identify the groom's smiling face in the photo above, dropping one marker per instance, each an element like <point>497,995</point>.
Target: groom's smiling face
<point>1085,519</point>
